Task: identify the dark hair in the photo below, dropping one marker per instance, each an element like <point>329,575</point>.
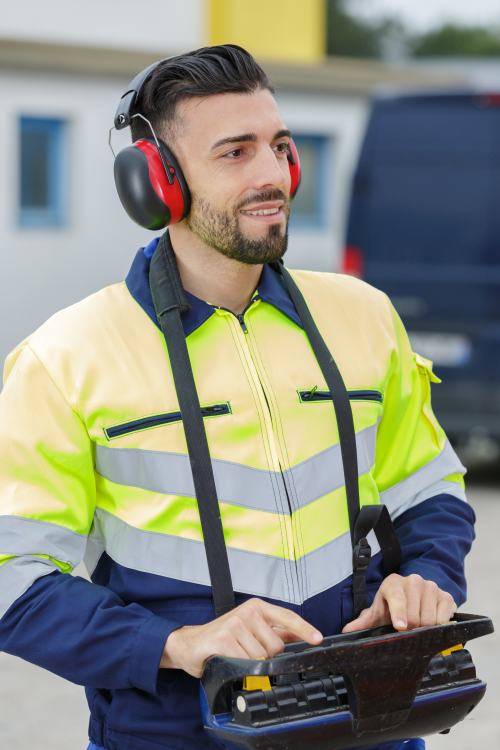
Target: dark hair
<point>221,69</point>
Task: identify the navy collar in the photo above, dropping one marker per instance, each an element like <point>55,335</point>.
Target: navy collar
<point>270,289</point>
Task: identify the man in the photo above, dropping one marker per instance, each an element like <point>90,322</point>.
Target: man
<point>94,461</point>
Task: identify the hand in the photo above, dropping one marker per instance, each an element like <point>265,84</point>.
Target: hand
<point>406,602</point>
<point>254,630</point>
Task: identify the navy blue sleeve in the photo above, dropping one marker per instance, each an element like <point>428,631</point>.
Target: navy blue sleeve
<point>83,632</point>
<point>435,537</point>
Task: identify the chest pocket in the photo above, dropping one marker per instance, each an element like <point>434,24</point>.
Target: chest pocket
<point>314,394</point>
<point>156,420</point>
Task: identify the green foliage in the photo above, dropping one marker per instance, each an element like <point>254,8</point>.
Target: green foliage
<point>452,40</point>
<point>350,36</point>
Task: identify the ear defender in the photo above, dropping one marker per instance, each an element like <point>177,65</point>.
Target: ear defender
<point>294,165</point>
<point>151,185</point>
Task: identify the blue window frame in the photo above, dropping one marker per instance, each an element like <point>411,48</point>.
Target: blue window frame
<point>310,207</point>
<point>41,172</point>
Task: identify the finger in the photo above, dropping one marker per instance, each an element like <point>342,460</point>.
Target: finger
<point>364,620</point>
<point>429,604</point>
<point>233,649</point>
<point>371,617</point>
<point>415,585</point>
<point>267,636</point>
<point>285,635</point>
<point>252,646</point>
<point>394,595</point>
<point>446,608</point>
<point>288,620</point>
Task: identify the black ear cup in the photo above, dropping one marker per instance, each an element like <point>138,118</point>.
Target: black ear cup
<point>151,185</point>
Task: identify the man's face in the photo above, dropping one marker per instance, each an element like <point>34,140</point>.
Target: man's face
<point>233,151</point>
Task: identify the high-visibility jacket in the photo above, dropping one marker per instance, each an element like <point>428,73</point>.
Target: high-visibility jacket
<point>94,466</point>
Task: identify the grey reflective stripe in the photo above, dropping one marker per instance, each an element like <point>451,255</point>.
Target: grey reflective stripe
<point>323,473</point>
<point>331,564</point>
<point>170,473</point>
<point>28,536</point>
<point>424,483</point>
<point>17,575</point>
<point>94,550</point>
<point>252,573</point>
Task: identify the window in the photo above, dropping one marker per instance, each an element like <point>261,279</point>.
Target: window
<point>41,172</point>
<point>310,207</point>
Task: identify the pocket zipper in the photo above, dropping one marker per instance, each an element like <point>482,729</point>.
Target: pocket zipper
<point>315,395</point>
<point>160,419</point>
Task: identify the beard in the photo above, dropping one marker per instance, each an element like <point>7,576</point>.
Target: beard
<point>221,230</point>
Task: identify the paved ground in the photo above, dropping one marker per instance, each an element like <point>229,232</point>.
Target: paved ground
<point>41,712</point>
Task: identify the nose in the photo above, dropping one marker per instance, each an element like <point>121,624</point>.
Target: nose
<point>270,170</point>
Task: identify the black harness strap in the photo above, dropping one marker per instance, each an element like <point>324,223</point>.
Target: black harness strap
<point>340,397</point>
<point>376,518</point>
<point>169,301</point>
<point>361,521</point>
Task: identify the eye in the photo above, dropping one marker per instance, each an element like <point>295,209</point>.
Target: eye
<point>283,148</point>
<point>235,153</point>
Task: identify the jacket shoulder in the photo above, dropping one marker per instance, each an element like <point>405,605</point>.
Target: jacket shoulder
<point>76,338</point>
<point>336,289</point>
<point>81,319</point>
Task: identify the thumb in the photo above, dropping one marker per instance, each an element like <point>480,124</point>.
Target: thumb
<point>364,620</point>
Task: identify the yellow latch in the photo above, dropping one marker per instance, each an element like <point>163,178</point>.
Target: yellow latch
<point>256,683</point>
<point>449,651</point>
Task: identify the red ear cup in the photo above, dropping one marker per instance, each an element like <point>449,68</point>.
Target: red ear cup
<point>152,196</point>
<point>294,165</point>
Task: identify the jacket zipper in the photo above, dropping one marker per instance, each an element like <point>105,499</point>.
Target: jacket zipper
<point>159,419</point>
<point>271,437</point>
<point>315,395</point>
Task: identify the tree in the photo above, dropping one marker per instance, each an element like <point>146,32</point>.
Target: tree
<point>350,36</point>
<point>458,41</point>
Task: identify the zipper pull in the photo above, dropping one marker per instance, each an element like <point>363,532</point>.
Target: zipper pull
<point>309,395</point>
<point>242,323</point>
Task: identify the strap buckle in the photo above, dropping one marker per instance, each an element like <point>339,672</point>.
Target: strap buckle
<point>361,556</point>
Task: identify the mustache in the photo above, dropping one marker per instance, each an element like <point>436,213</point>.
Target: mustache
<point>263,197</point>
